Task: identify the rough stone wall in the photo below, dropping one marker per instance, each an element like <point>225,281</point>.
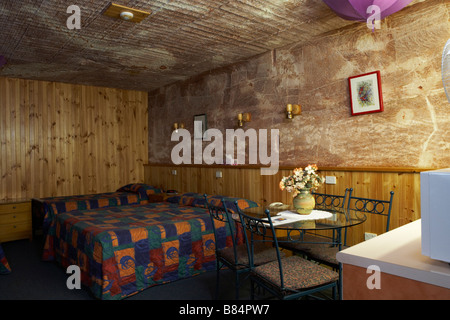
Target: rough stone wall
<point>413,130</point>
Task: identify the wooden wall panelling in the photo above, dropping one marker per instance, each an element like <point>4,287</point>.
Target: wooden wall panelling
<point>62,139</point>
<point>247,182</point>
<point>3,135</point>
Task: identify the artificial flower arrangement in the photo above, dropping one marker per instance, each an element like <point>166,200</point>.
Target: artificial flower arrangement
<point>301,179</point>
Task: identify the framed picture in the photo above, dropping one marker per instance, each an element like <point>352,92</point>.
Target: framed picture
<point>365,93</point>
<point>200,126</point>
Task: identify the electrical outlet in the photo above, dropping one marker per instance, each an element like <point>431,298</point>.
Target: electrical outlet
<point>369,235</point>
<point>174,172</point>
<point>218,174</point>
<point>330,180</point>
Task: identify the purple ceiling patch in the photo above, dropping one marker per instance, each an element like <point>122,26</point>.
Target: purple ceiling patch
<point>2,61</point>
<point>357,9</point>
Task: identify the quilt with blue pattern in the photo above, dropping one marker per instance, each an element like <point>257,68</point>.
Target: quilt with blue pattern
<point>125,249</point>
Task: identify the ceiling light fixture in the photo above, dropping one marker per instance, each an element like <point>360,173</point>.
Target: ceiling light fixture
<point>126,15</point>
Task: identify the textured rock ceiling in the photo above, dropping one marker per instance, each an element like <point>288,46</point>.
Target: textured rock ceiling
<point>180,39</point>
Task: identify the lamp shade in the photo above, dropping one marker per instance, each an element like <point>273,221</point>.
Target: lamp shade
<point>357,9</point>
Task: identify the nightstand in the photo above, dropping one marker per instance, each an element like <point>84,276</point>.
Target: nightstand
<point>15,220</point>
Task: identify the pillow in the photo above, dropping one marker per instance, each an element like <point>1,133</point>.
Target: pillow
<point>141,188</point>
<point>188,199</point>
<point>198,200</point>
<point>230,202</point>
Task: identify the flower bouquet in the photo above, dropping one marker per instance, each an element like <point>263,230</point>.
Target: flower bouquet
<point>301,182</point>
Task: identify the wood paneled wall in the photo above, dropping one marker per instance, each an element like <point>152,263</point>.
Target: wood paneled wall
<point>247,182</point>
<point>64,139</point>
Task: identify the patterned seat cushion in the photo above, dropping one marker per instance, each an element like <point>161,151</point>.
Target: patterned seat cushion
<point>307,243</point>
<point>325,253</point>
<point>262,254</point>
<point>298,274</point>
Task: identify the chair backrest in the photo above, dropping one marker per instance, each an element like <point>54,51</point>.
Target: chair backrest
<point>373,206</point>
<point>222,214</point>
<point>333,202</point>
<point>260,230</point>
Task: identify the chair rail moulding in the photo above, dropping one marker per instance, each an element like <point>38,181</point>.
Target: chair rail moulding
<point>249,166</point>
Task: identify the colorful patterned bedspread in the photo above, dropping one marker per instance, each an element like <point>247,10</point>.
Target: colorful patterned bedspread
<point>45,209</point>
<point>123,250</point>
<point>4,266</point>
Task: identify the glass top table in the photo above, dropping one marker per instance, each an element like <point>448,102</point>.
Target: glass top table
<point>319,219</point>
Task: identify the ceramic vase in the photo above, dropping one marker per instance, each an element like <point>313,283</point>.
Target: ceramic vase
<point>304,201</point>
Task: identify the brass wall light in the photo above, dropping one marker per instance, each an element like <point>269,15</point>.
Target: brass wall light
<point>293,110</point>
<point>243,117</point>
<point>177,125</point>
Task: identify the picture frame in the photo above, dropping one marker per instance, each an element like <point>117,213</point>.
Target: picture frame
<point>200,126</point>
<point>365,93</point>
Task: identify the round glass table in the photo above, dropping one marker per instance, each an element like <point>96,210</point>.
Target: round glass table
<point>287,219</point>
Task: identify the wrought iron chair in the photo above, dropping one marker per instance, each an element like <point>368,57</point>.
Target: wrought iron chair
<point>307,241</point>
<point>234,257</point>
<point>286,278</point>
<point>327,254</point>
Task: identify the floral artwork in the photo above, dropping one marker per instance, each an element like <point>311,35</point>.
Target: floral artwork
<point>365,93</point>
<point>301,179</point>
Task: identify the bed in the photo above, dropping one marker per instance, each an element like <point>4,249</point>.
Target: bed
<point>45,209</point>
<point>4,265</point>
<point>122,250</point>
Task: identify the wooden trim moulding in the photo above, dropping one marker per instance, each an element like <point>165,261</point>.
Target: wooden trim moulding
<point>349,169</point>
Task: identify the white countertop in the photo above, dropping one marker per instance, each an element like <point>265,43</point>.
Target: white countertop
<point>399,252</point>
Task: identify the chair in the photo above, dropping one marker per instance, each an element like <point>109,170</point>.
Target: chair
<point>327,254</point>
<point>308,241</point>
<point>286,278</point>
<point>235,257</point>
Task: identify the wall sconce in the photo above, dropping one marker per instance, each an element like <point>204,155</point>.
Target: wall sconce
<point>177,125</point>
<point>243,117</point>
<point>293,110</point>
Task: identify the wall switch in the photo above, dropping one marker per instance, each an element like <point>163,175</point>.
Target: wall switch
<point>218,174</point>
<point>174,172</point>
<point>330,180</point>
<point>369,235</point>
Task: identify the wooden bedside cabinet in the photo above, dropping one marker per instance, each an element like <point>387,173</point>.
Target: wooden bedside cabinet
<point>15,220</point>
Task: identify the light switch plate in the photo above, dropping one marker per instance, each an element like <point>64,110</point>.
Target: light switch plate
<point>330,180</point>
